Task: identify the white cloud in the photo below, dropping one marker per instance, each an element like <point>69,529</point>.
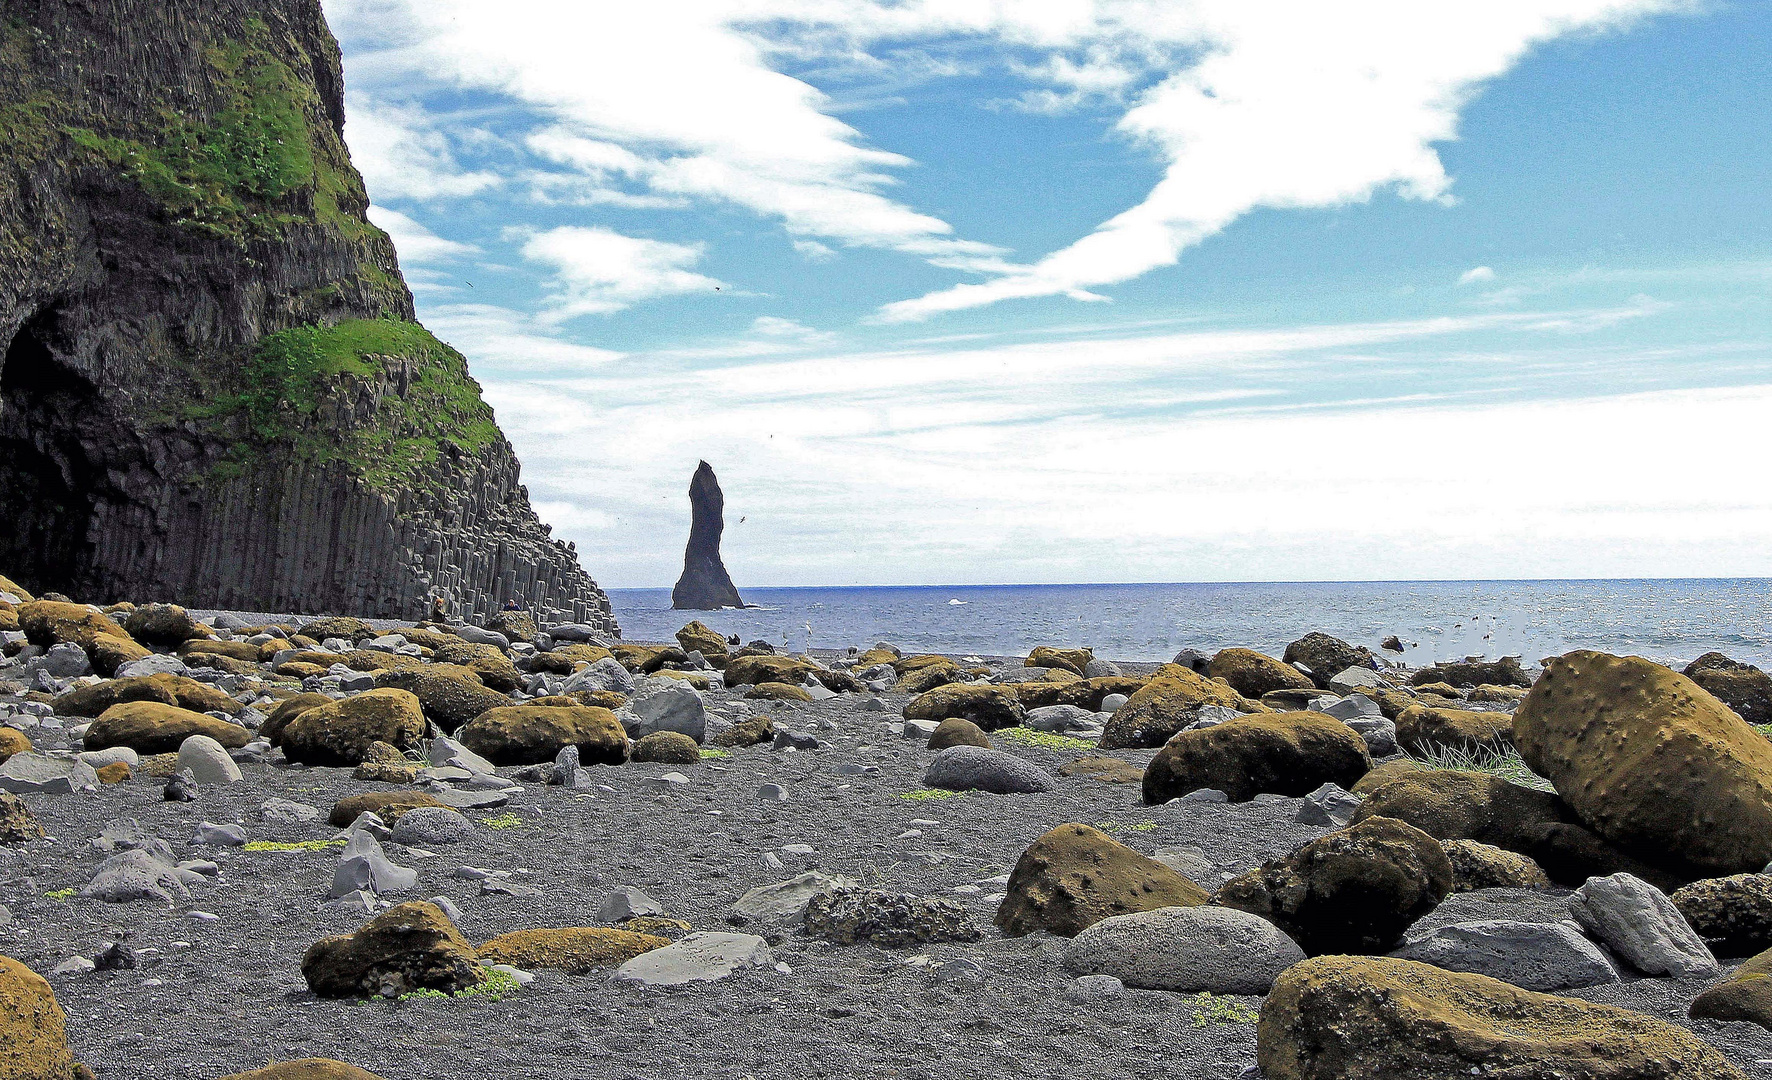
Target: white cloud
<point>1476,274</point>
<point>402,154</point>
<point>774,326</point>
<point>511,343</point>
<point>813,251</point>
<point>415,243</point>
<point>598,271</point>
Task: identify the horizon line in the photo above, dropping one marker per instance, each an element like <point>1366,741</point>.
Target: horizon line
<point>1227,581</point>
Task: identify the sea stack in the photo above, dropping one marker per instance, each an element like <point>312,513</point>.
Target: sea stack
<point>705,585</point>
<point>214,389</point>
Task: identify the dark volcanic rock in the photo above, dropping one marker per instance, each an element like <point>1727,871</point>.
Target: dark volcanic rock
<point>212,388</point>
<point>705,585</point>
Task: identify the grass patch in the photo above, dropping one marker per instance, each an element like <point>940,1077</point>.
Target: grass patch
<point>1764,729</point>
<point>60,895</point>
<point>713,752</point>
<point>1120,826</point>
<point>295,845</point>
<point>1210,1010</point>
<point>1489,758</point>
<point>494,987</point>
<point>1046,740</point>
<point>502,821</point>
<point>923,794</point>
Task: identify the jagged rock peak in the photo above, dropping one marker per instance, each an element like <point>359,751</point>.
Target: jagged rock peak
<point>705,585</point>
<point>213,389</point>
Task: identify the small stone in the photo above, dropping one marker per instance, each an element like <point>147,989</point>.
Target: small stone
<point>772,793</point>
<point>1329,805</point>
<point>1094,989</point>
<point>212,835</point>
<point>181,788</point>
<point>428,825</point>
<point>1203,795</point>
<point>276,811</point>
<point>703,957</point>
<point>31,773</point>
<point>627,903</point>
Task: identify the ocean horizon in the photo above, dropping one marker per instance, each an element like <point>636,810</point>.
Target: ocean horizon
<point>1670,620</point>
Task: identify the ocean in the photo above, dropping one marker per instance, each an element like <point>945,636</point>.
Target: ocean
<point>1671,621</point>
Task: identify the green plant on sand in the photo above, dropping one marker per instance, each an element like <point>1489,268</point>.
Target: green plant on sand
<point>1046,740</point>
<point>1490,758</point>
<point>1210,1009</point>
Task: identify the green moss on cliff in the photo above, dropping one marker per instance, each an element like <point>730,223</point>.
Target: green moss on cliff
<point>296,387</point>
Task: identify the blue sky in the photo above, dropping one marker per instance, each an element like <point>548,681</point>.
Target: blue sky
<point>1100,290</point>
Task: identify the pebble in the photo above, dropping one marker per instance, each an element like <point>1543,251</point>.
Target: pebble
<point>627,903</point>
<point>772,793</point>
<point>1094,989</point>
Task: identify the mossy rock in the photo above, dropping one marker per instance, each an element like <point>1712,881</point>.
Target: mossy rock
<point>96,698</point>
<point>487,661</point>
<point>411,946</point>
<point>698,636</point>
<point>1106,769</point>
<point>1469,673</point>
<point>1380,1018</point>
<point>1164,705</point>
<point>164,624</point>
<point>1651,762</point>
<point>667,748</point>
<point>922,679</point>
<point>868,658</point>
<point>748,733</point>
<point>347,627</point>
<point>149,727</point>
<point>17,824</point>
<point>1355,890</point>
<point>114,773</point>
<point>449,700</point>
<point>286,711</point>
<point>576,950</point>
<point>754,670</point>
<point>7,585</point>
<point>49,622</point>
<point>1733,914</point>
<point>565,659</point>
<point>1744,996</point>
<point>13,741</point>
<point>338,732</point>
<point>956,731</point>
<point>1458,805</point>
<point>1742,687</point>
<point>1422,730</point>
<point>1327,656</point>
<point>108,652</point>
<point>306,1069</point>
<point>1074,876</point>
<point>233,650</point>
<point>1288,754</point>
<point>518,735</point>
<point>697,680</point>
<point>1253,674</point>
<point>646,659</point>
<point>33,1028</point>
<point>776,691</point>
<point>8,617</point>
<point>387,805</point>
<point>1484,866</point>
<point>1072,660</point>
<point>990,707</point>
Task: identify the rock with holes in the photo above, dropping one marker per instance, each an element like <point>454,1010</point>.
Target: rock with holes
<point>411,946</point>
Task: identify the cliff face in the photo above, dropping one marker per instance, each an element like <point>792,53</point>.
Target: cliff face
<point>705,585</point>
<point>213,389</point>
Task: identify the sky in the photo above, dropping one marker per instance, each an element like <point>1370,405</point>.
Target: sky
<point>980,291</point>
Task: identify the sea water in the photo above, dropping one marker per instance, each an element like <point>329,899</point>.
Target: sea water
<point>1671,621</point>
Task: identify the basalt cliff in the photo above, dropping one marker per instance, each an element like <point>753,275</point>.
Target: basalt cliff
<point>213,387</point>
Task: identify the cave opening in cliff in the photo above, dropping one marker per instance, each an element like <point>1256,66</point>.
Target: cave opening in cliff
<point>45,475</point>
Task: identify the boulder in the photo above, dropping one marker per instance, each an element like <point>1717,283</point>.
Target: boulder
<point>164,624</point>
<point>1533,956</point>
<point>664,707</point>
<point>958,732</point>
<point>424,826</point>
<point>1353,891</point>
<point>519,735</point>
<point>666,748</point>
<point>138,874</point>
<point>1377,1017</point>
<point>387,805</point>
<point>1732,914</point>
<point>164,688</point>
<point>411,946</point>
<point>576,950</point>
<point>1074,876</point>
<point>513,625</point>
<point>1253,674</point>
<point>1651,762</point>
<point>1745,995</point>
<point>287,710</point>
<point>13,741</point>
<point>1164,705</point>
<point>775,691</point>
<point>1327,657</point>
<point>1071,660</point>
<point>450,698</point>
<point>1742,687</point>
<point>305,1069</point>
<point>1483,866</point>
<point>752,732</point>
<point>17,824</point>
<point>347,627</point>
<point>783,903</point>
<point>1639,923</point>
<point>697,636</point>
<point>791,670</point>
<point>703,957</point>
<point>1274,753</point>
<point>32,773</point>
<point>207,761</point>
<point>1217,950</point>
<point>338,732</point>
<point>109,653</point>
<point>33,1028</point>
<point>1424,730</point>
<point>148,727</point>
<point>990,707</point>
<point>1503,672</point>
<point>1456,805</point>
<point>1106,769</point>
<point>566,659</point>
<point>48,622</point>
<point>848,914</point>
<point>487,661</point>
<point>974,768</point>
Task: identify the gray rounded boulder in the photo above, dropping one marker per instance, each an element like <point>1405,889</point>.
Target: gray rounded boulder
<point>1215,949</point>
<point>974,768</point>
